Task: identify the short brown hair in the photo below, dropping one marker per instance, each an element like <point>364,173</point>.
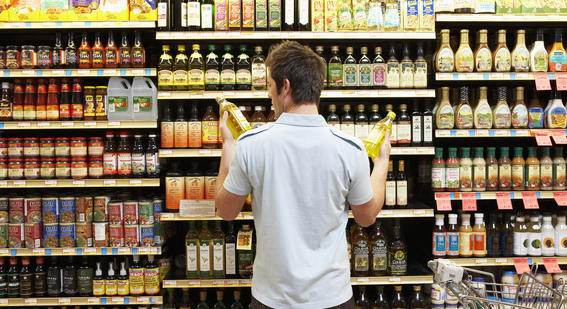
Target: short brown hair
<point>303,68</point>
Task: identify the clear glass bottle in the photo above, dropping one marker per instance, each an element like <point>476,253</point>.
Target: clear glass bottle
<point>520,54</point>
<point>445,58</point>
<point>464,57</point>
<point>483,55</point>
<point>502,58</point>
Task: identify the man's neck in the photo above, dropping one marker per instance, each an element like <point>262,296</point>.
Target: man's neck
<point>305,109</point>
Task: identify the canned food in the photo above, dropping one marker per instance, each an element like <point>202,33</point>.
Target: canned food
<point>4,210</point>
<point>66,209</point>
<point>146,212</point>
<point>47,168</point>
<point>131,235</point>
<point>158,207</point>
<point>32,210</point>
<point>84,234</point>
<point>100,208</point>
<point>116,235</point>
<point>82,209</point>
<point>32,168</point>
<point>32,235</point>
<point>50,235</point>
<point>90,208</point>
<point>147,235</point>
<point>78,147</point>
<point>3,235</point>
<point>131,212</point>
<point>115,212</point>
<point>67,235</point>
<point>96,146</point>
<point>159,233</point>
<point>47,147</point>
<point>49,210</point>
<point>3,168</point>
<point>62,147</point>
<point>96,167</point>
<point>100,234</point>
<point>16,206</point>
<point>16,235</point>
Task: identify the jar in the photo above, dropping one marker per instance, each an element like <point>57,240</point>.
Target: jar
<point>79,168</point>
<point>100,103</point>
<point>3,147</point>
<point>560,280</point>
<point>437,294</point>
<point>89,108</point>
<point>78,147</point>
<point>62,148</point>
<point>47,169</point>
<point>479,286</point>
<point>15,147</point>
<point>96,146</point>
<point>509,284</point>
<point>96,167</point>
<point>12,57</point>
<point>47,147</point>
<point>31,168</point>
<point>544,277</point>
<point>2,58</point>
<point>31,147</point>
<point>62,167</point>
<point>28,57</point>
<point>44,60</point>
<point>15,168</point>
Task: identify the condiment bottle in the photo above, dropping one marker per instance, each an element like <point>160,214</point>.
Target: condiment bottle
<point>17,111</point>
<point>26,278</point>
<point>557,55</point>
<point>151,277</point>
<point>97,52</point>
<point>180,129</point>
<point>520,54</point>
<point>406,69</point>
<point>335,69</point>
<point>560,236</point>
<point>533,170</point>
<point>559,169</point>
<point>420,69</point>
<point>71,52</point>
<point>464,58</point>
<point>501,113</point>
<point>258,119</point>
<point>361,123</point>
<point>122,282</point>
<point>210,128</point>
<point>464,112</point>
<point>403,127</point>
<point>98,281</point>
<point>492,236</point>
<point>110,156</point>
<point>392,70</point>
<point>165,70</point>
<point>54,278</point>
<point>365,69</point>
<point>174,187</point>
<point>41,105</point>
<point>350,70</point>
<point>546,169</point>
<point>502,57</point>
<point>492,169</point>
<point>85,278</point>
<point>536,115</point>
<point>13,279</point>
<point>390,194</point>
<point>111,52</point>
<point>258,68</point>
<point>125,56</point>
<point>196,70</point>
<point>483,55</point>
<point>479,170</point>
<point>397,252</point>
<point>212,70</point>
<point>504,170</point>
<point>399,300</point>
<point>547,237</point>
<point>28,112</point>
<point>479,236</point>
<point>466,242</point>
<point>520,237</point>
<point>52,100</point>
<point>124,156</point>
<point>401,186</point>
<point>6,103</point>
<point>180,69</point>
<point>518,170</point>
<point>205,251</point>
<point>138,157</point>
<point>538,54</point>
<point>452,170</point>
<point>138,52</point>
<point>39,278</point>
<point>439,237</point>
<point>85,53</point>
<point>378,250</point>
<point>228,73</point>
<point>394,128</point>
<point>507,237</point>
<point>556,114</point>
<point>347,120</point>
<point>438,177</point>
<point>452,236</point>
<point>445,117</point>
<point>65,100</point>
<point>361,251</point>
<point>110,288</point>
<point>520,110</point>
<point>444,58</point>
<point>136,276</point>
<point>152,158</point>
<point>379,69</point>
<point>534,237</point>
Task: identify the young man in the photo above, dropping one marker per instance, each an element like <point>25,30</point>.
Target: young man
<point>302,175</point>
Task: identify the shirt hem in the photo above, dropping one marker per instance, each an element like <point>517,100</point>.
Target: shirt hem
<point>319,305</point>
<point>358,202</point>
<point>237,192</point>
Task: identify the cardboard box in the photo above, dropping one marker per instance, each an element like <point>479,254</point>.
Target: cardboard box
<point>426,15</point>
<point>114,10</point>
<point>532,7</point>
<point>143,10</point>
<point>54,10</point>
<point>84,10</point>
<point>555,7</point>
<point>410,15</point>
<point>5,6</point>
<point>25,10</point>
<point>508,7</point>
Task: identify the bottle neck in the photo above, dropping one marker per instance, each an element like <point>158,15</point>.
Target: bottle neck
<point>464,38</point>
<point>502,38</point>
<point>445,38</point>
<point>521,39</point>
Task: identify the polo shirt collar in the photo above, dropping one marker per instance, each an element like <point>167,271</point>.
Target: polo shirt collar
<point>302,120</point>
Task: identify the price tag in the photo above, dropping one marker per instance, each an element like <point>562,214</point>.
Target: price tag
<point>30,301</point>
<point>39,252</point>
<point>137,71</point>
<point>64,301</point>
<point>363,279</point>
<point>24,124</point>
<point>58,72</point>
<point>530,200</point>
<point>83,72</point>
<point>113,123</point>
<point>164,152</point>
<point>69,251</point>
<point>419,212</point>
<point>385,93</point>
<point>387,213</point>
<point>195,282</point>
<point>394,279</point>
<point>443,201</point>
<point>165,215</point>
<point>501,132</point>
<point>521,266</point>
<point>482,133</point>
<point>542,81</point>
<point>500,261</point>
<point>117,300</point>
<point>67,124</point>
<point>561,81</point>
<point>28,72</point>
<point>205,151</point>
<point>559,137</point>
<point>503,200</point>
<point>4,252</point>
<point>143,300</point>
<point>89,124</point>
<point>50,182</point>
<point>218,282</point>
<point>481,261</point>
<point>551,265</point>
<point>93,301</point>
<point>169,283</point>
<point>443,133</point>
<point>3,183</point>
<point>469,201</point>
<point>522,133</point>
<point>89,250</point>
<point>3,301</point>
<point>522,76</point>
<point>124,250</point>
<point>542,138</point>
<point>365,93</point>
<point>19,183</point>
<point>246,282</point>
<point>560,198</point>
<point>228,93</point>
<point>135,181</point>
<point>463,133</point>
<point>109,182</point>
<point>43,124</point>
<point>164,94</point>
<point>109,72</point>
<point>78,182</point>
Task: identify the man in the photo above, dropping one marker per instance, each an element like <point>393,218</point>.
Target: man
<point>301,174</point>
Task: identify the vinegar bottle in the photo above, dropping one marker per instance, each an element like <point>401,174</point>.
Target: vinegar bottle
<point>236,121</point>
<point>377,135</point>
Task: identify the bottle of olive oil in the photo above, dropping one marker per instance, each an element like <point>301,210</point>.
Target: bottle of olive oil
<point>243,75</point>
<point>228,74</point>
<point>347,121</point>
<point>393,70</point>
<point>378,69</point>
<point>192,254</point>
<point>377,135</point>
<point>335,69</point>
<point>320,51</point>
<point>180,73</point>
<point>165,67</point>
<point>259,70</point>
<point>333,119</point>
<point>364,69</point>
<point>196,70</point>
<point>236,122</point>
<point>397,252</point>
<point>212,70</point>
<point>205,251</point>
<point>350,70</point>
<point>406,69</point>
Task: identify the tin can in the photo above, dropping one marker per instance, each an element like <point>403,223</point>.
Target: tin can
<point>50,210</point>
<point>100,208</point>
<point>131,212</point>
<point>32,210</point>
<point>50,235</point>
<point>84,209</point>
<point>100,234</point>
<point>147,235</point>
<point>115,209</point>
<point>31,147</point>
<point>78,147</point>
<point>16,235</point>
<point>67,235</point>
<point>146,212</point>
<point>16,207</point>
<point>4,210</point>
<point>32,235</point>
<point>47,147</point>
<point>3,235</point>
<point>158,208</point>
<point>62,147</point>
<point>159,233</point>
<point>84,234</point>
<point>90,208</point>
<point>116,235</point>
<point>131,236</point>
<point>66,210</point>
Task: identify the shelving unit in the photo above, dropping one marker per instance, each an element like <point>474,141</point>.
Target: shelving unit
<point>458,133</point>
<point>77,25</point>
<point>87,251</point>
<point>78,301</point>
<point>499,18</point>
<point>79,183</point>
<point>488,76</point>
<point>502,261</point>
<point>292,35</point>
<point>56,125</point>
<point>455,196</point>
<point>78,72</point>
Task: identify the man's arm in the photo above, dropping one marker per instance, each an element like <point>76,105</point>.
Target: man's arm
<point>228,204</point>
<point>365,214</point>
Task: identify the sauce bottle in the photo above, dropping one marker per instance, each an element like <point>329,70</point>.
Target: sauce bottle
<point>138,157</point>
<point>65,100</point>
<point>194,127</point>
<point>533,170</point>
<point>406,69</point>
<point>205,251</point>
<point>71,52</point>
<point>110,157</point>
<point>501,114</point>
<point>347,121</point>
<point>547,237</point>
<point>534,237</point>
<point>174,187</point>
<point>230,251</point>
<point>136,276</point>
<point>464,112</point>
<point>536,115</point>
<point>404,127</point>
<point>560,236</point>
<point>333,118</point>
<point>85,278</point>
<point>420,69</point>
<point>556,114</point>
<point>335,69</point>
<point>378,250</point>
<point>318,50</point>
<point>378,69</point>
<point>502,58</point>
<point>228,73</point>
<point>546,169</point>
<point>479,170</point>
<point>452,236</point>
<point>401,186</point>
<point>41,104</point>
<point>111,52</point>
<point>439,237</point>
<point>392,70</point>
<point>54,278</point>
<point>85,53</point>
<point>180,72</point>
<point>416,124</point>
<point>504,170</point>
<point>466,243</point>
<point>445,117</point>
<point>559,169</point>
<point>212,70</point>
<point>492,236</point>
<point>399,300</point>
<point>438,171</point>
<point>122,282</point>
<point>58,55</point>
<point>13,279</point>
<point>243,68</point>
<point>180,127</point>
<point>479,235</point>
<point>538,54</point>
<point>464,58</point>
<point>125,56</point>
<point>69,278</point>
<point>39,278</point>
<point>26,278</point>
<point>492,169</point>
<point>77,100</point>
<point>196,70</point>
<point>52,100</point>
<point>29,100</point>
<point>5,103</point>
<point>518,170</point>
<point>557,55</point>
<point>98,281</point>
<point>520,237</point>
<point>124,156</point>
<point>110,288</point>
<point>390,194</point>
<point>17,111</point>
<point>361,123</point>
<point>452,170</point>
<point>165,70</point>
<point>211,176</point>
<point>397,252</point>
<point>209,128</point>
<point>520,110</point>
<point>483,55</point>
<point>444,58</point>
<point>194,183</point>
<point>138,52</point>
<point>521,54</point>
<point>152,159</point>
<point>98,52</point>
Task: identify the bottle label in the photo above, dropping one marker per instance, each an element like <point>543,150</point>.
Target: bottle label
<point>110,288</point>
<point>534,243</point>
<point>479,243</point>
<point>502,116</point>
<point>465,244</point>
<point>212,77</point>
<point>557,117</point>
<point>142,104</point>
<point>98,287</point>
<point>110,163</point>
<point>445,60</point>
<point>365,75</point>
<point>123,287</point>
<point>401,192</point>
<point>180,134</point>
<point>464,60</point>
<point>136,278</point>
<point>228,77</point>
<point>125,56</point>
<point>335,74</point>
<point>230,259</point>
<point>390,198</point>
<point>206,16</point>
<point>558,61</point>
<point>397,259</point>
<point>483,60</point>
<point>404,133</point>
<point>492,176</point>
<point>195,134</point>
<point>379,256</point>
<point>453,243</point>
<point>517,175</point>
<point>192,259</point>
<point>151,280</point>
<point>452,174</point>
<point>258,75</point>
<point>218,256</point>
<point>234,18</point>
<point>275,13</point>
<point>180,78</point>
<point>318,15</point>
<point>210,185</point>
<point>439,243</point>
<point>124,163</point>
<point>502,60</point>
<point>521,60</point>
<point>393,75</point>
<point>243,77</point>
<point>520,116</point>
<point>392,17</point>
<point>152,163</point>
<point>116,104</point>
<point>204,257</point>
<point>85,57</point>
<point>438,177</point>
<point>331,23</point>
<point>427,129</point>
<point>533,176</point>
<point>210,131</point>
<point>196,77</point>
<point>539,60</point>
<point>546,175</point>
<point>138,163</point>
<point>464,117</point>
<point>348,128</point>
<point>420,75</point>
<point>361,256</point>
<point>504,176</point>
<point>379,70</point>
<point>162,14</point>
<point>479,172</point>
<point>535,118</point>
<point>350,75</point>
<point>406,78</point>
<point>248,14</point>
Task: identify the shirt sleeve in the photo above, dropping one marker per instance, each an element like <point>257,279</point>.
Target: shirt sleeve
<point>237,181</point>
<point>360,190</point>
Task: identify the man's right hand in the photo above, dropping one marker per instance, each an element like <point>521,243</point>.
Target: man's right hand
<point>384,154</point>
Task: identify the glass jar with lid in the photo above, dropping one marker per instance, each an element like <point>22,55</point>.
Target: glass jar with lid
<point>28,57</point>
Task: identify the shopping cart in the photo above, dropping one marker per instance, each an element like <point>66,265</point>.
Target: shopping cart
<point>528,293</point>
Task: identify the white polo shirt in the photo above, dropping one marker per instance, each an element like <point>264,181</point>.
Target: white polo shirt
<point>300,172</point>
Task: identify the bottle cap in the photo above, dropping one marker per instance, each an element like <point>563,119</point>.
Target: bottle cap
<point>391,115</point>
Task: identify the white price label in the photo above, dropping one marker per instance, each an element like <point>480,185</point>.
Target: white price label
<point>3,183</point>
<point>69,251</point>
<point>83,72</point>
<point>28,72</point>
<point>394,279</point>
<point>38,252</point>
<point>387,212</point>
<point>137,71</point>
<point>363,279</point>
<point>43,124</point>
<point>30,301</point>
<point>246,281</point>
<point>218,282</point>
<point>24,124</point>
<point>109,182</point>
<point>419,212</point>
<point>89,124</point>
<point>143,300</point>
<point>166,215</point>
<point>522,76</point>
<point>205,152</point>
<point>501,132</point>
<point>169,283</point>
<point>109,72</point>
<point>4,251</point>
<point>443,133</point>
<point>135,181</point>
<point>117,300</point>
<point>481,261</point>
<point>89,250</point>
<point>482,132</point>
<point>78,182</point>
<point>124,250</point>
<point>522,133</point>
<point>19,182</point>
<point>51,182</point>
<point>463,133</point>
<point>165,94</point>
<point>3,301</point>
<point>64,301</point>
<point>195,282</point>
<point>93,301</point>
<point>164,152</point>
<point>500,261</point>
<point>114,123</point>
<point>67,124</point>
<point>57,72</point>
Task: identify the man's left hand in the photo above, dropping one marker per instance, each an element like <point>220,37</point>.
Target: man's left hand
<point>224,130</point>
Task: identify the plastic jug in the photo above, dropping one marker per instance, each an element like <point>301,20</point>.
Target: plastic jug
<point>119,98</point>
<point>144,99</point>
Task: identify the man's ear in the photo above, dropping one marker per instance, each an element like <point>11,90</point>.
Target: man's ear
<point>286,87</point>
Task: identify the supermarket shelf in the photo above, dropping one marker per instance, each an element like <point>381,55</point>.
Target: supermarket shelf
<point>502,261</point>
<point>44,125</point>
<point>247,215</point>
<point>496,133</point>
<point>295,35</point>
<point>369,93</point>
<point>78,72</point>
<point>487,76</point>
<point>76,24</point>
<point>77,301</point>
<point>499,18</point>
<point>192,153</point>
<point>455,196</point>
<point>81,251</point>
<point>387,280</point>
<point>79,183</point>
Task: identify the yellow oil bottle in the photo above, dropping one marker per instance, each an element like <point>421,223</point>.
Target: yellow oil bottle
<point>236,122</point>
<point>377,135</point>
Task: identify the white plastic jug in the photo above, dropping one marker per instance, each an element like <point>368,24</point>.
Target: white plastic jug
<point>144,98</point>
<point>119,98</point>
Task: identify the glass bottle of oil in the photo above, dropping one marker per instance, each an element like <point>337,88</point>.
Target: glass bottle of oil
<point>165,74</point>
<point>236,122</point>
<point>378,69</point>
<point>361,251</point>
<point>521,54</point>
<point>445,58</point>
<point>406,69</point>
<point>377,135</point>
<point>464,58</point>
<point>420,69</point>
<point>397,252</point>
<point>350,70</point>
<point>196,70</point>
<point>347,121</point>
<point>205,252</point>
<point>393,70</point>
<point>333,118</point>
<point>483,55</point>
<point>212,70</point>
<point>364,69</point>
<point>335,69</point>
<point>191,245</point>
<point>502,58</point>
<point>180,76</point>
<point>258,70</point>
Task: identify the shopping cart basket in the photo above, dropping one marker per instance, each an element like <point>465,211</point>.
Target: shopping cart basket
<point>528,293</point>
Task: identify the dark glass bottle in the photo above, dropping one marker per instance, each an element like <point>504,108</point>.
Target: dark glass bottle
<point>26,278</point>
<point>53,278</point>
<point>236,304</point>
<point>335,69</point>
<point>361,252</point>
<point>401,186</point>
<point>321,52</point>
<point>58,54</point>
<point>230,252</point>
<point>243,75</point>
<point>378,250</point>
<point>374,115</point>
<point>492,236</point>
<point>3,278</point>
<point>398,301</point>
<point>125,52</point>
<point>427,125</point>
<point>416,125</point>
<point>124,156</point>
<point>138,157</point>
<point>417,300</point>
<point>362,301</point>
<point>219,304</point>
<point>203,300</point>
<point>85,275</point>
<point>13,278</point>
<point>71,52</point>
<point>85,53</point>
<point>69,278</point>
<point>212,70</point>
<point>138,52</point>
<point>380,302</point>
<point>111,54</point>
<point>403,123</point>
<point>228,74</point>
<point>163,15</point>
<point>397,253</point>
<point>507,237</point>
<point>152,159</point>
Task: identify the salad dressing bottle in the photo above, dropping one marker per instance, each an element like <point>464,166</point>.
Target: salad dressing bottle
<point>501,114</point>
<point>482,111</point>
<point>483,55</point>
<point>520,54</point>
<point>502,57</point>
<point>464,58</point>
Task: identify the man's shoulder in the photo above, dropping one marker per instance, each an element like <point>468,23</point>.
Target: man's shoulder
<point>250,135</point>
<point>347,138</point>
